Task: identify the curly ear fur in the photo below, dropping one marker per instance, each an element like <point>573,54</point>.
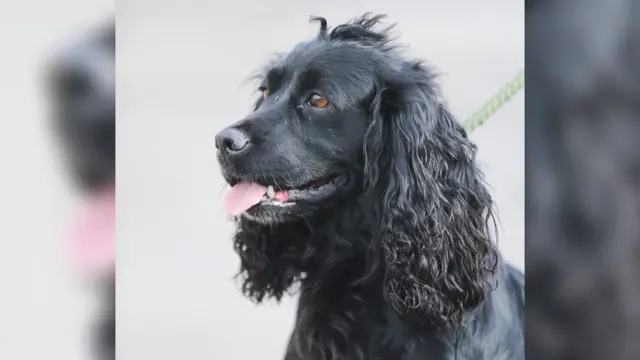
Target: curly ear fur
<point>434,209</point>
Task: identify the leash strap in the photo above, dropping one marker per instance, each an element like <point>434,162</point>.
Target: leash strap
<point>494,104</point>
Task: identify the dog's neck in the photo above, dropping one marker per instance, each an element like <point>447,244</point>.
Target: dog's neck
<point>342,271</point>
<point>347,298</point>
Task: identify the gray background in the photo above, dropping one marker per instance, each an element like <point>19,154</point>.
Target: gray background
<point>180,72</point>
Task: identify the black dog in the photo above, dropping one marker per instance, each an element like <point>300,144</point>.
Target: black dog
<point>352,180</point>
<point>81,84</point>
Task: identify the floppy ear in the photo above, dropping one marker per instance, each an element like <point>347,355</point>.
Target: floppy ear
<point>434,209</point>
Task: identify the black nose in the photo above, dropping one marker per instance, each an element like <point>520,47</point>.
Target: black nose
<point>232,140</point>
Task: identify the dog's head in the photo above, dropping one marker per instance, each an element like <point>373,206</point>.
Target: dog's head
<point>349,136</point>
<point>300,151</point>
<point>81,84</point>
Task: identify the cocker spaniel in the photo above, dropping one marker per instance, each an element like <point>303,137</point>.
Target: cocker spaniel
<point>353,183</point>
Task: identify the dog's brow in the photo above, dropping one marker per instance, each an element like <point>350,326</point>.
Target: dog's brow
<point>274,76</point>
<point>308,78</point>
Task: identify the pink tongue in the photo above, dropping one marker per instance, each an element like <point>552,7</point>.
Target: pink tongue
<point>93,244</point>
<point>243,196</point>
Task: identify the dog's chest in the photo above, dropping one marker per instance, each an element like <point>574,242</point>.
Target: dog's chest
<point>368,335</point>
<point>368,349</point>
<point>382,336</point>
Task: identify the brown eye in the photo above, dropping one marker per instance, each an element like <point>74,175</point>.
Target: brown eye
<point>318,101</point>
<point>265,92</point>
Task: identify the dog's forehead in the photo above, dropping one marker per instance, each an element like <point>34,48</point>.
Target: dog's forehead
<point>344,69</point>
<point>319,54</point>
<point>341,71</point>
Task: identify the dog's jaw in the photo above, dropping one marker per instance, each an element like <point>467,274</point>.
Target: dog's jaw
<point>263,204</point>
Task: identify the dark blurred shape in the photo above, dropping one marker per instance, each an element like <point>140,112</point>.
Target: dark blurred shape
<point>81,86</point>
<point>106,330</point>
<point>583,172</point>
<point>81,83</point>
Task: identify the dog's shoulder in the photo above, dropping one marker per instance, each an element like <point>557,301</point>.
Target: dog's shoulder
<point>495,330</point>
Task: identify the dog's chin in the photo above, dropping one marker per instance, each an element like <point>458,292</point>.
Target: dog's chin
<point>301,203</point>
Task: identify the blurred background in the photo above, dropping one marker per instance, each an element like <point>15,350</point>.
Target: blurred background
<point>180,79</point>
<point>48,306</point>
<point>582,193</point>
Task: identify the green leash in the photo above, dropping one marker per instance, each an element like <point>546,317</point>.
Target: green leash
<point>495,103</point>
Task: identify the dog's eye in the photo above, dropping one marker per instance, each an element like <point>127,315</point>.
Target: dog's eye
<point>318,101</point>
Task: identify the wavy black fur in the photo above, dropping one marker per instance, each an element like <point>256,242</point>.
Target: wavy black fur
<point>396,263</point>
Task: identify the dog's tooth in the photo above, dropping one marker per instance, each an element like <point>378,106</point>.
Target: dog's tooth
<point>271,192</point>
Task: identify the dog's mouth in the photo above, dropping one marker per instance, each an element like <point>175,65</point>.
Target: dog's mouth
<point>245,195</point>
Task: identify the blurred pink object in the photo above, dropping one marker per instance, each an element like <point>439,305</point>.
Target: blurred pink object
<point>93,245</point>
